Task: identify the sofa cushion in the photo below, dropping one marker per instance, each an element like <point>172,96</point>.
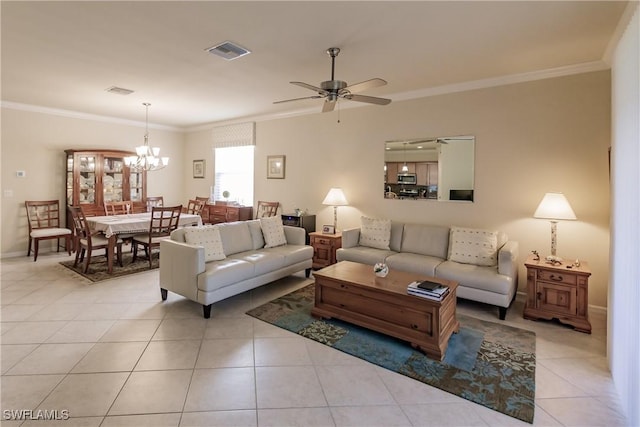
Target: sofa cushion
<point>262,260</point>
<point>428,240</point>
<point>256,233</point>
<point>236,237</point>
<point>226,272</point>
<point>293,254</point>
<point>207,237</point>
<point>414,263</point>
<point>363,254</point>
<point>273,231</point>
<point>375,233</point>
<point>473,246</point>
<point>476,277</point>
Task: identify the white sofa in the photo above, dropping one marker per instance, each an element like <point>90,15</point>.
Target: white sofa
<point>425,249</point>
<point>247,264</point>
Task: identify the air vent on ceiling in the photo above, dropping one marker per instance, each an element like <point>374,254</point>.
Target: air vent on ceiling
<point>119,90</point>
<point>228,50</point>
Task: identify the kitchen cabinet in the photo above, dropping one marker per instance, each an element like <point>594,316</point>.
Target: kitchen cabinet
<point>97,176</point>
<point>392,173</point>
<point>427,173</point>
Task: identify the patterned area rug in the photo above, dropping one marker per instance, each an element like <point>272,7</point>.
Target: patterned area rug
<point>486,362</point>
<point>98,266</point>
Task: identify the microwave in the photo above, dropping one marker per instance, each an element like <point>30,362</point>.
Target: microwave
<point>407,178</point>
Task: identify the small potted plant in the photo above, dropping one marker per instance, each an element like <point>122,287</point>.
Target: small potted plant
<point>381,269</point>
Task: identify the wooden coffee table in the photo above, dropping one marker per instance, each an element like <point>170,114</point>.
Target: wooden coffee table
<point>351,292</point>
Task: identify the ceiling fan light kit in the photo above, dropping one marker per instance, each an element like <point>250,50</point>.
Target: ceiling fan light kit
<point>332,90</point>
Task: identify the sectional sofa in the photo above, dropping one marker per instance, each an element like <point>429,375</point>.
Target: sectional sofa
<point>483,262</point>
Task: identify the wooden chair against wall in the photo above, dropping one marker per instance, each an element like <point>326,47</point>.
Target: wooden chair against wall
<point>194,207</point>
<point>154,201</point>
<point>204,213</point>
<point>117,208</point>
<point>86,242</point>
<point>44,224</point>
<point>163,221</point>
<point>266,209</point>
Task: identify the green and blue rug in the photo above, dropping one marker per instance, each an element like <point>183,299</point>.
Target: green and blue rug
<point>486,362</point>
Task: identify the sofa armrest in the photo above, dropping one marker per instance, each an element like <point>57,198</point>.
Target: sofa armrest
<point>295,235</point>
<point>350,237</point>
<point>180,266</point>
<point>507,259</point>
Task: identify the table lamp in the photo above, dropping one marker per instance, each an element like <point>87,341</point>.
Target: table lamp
<point>554,207</point>
<point>335,197</point>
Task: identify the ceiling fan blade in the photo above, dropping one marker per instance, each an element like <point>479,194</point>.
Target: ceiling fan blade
<point>311,87</point>
<point>359,87</point>
<point>369,99</point>
<point>298,99</point>
<point>328,106</point>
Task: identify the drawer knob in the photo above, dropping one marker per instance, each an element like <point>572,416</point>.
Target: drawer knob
<point>414,326</point>
<point>539,295</point>
<point>556,278</point>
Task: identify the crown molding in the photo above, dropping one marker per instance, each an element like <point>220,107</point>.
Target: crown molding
<point>530,76</point>
<point>568,70</point>
<point>83,116</point>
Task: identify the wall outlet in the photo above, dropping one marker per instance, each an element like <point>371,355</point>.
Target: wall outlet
<point>21,174</point>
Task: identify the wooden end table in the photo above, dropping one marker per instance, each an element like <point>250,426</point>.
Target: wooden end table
<point>558,291</point>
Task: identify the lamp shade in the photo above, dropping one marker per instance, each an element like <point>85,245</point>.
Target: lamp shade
<point>554,206</point>
<point>335,197</point>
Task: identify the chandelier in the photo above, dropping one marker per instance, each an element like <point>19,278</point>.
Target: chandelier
<point>147,158</point>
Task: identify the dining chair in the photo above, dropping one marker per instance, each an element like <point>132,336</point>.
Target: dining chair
<point>194,207</point>
<point>44,224</point>
<point>117,208</point>
<point>154,201</point>
<point>120,208</point>
<point>86,241</point>
<point>266,209</point>
<point>204,212</point>
<point>163,221</point>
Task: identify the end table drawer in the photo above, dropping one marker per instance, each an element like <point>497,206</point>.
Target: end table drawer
<point>323,241</point>
<point>557,277</point>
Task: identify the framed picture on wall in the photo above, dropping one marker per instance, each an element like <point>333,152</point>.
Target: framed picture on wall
<point>275,167</point>
<point>198,168</point>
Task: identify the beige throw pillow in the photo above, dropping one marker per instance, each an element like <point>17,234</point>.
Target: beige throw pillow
<point>273,231</point>
<point>375,233</point>
<point>207,237</point>
<point>473,246</point>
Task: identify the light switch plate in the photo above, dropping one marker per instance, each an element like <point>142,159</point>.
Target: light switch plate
<point>21,174</point>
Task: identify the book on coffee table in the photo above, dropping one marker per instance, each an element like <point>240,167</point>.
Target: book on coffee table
<point>431,290</point>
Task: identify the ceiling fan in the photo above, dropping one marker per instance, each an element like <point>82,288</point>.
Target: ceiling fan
<point>332,90</point>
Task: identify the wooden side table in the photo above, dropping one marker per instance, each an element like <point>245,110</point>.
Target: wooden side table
<point>558,291</point>
<point>324,248</point>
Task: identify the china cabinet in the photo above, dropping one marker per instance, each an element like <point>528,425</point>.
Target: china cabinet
<point>97,176</point>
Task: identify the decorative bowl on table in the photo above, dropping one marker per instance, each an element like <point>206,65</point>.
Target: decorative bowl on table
<point>381,269</point>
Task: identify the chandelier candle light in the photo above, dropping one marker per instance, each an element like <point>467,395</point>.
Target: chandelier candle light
<point>335,197</point>
<point>148,158</point>
<point>554,207</point>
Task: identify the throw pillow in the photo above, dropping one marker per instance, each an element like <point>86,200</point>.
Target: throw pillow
<point>273,231</point>
<point>473,246</point>
<point>375,233</point>
<point>207,237</point>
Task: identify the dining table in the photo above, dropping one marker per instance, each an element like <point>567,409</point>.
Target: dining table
<point>112,225</point>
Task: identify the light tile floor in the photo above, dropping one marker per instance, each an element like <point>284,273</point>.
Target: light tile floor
<point>113,354</point>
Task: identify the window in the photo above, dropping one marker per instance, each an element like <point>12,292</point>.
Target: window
<point>234,173</point>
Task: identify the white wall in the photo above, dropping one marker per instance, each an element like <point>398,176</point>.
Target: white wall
<point>35,142</point>
<point>531,138</point>
<point>624,319</point>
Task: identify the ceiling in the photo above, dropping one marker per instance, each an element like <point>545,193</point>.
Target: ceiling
<point>64,55</point>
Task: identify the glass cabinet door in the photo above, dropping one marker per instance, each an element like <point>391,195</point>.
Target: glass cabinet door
<point>136,185</point>
<point>69,193</point>
<point>87,170</point>
<point>112,179</point>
